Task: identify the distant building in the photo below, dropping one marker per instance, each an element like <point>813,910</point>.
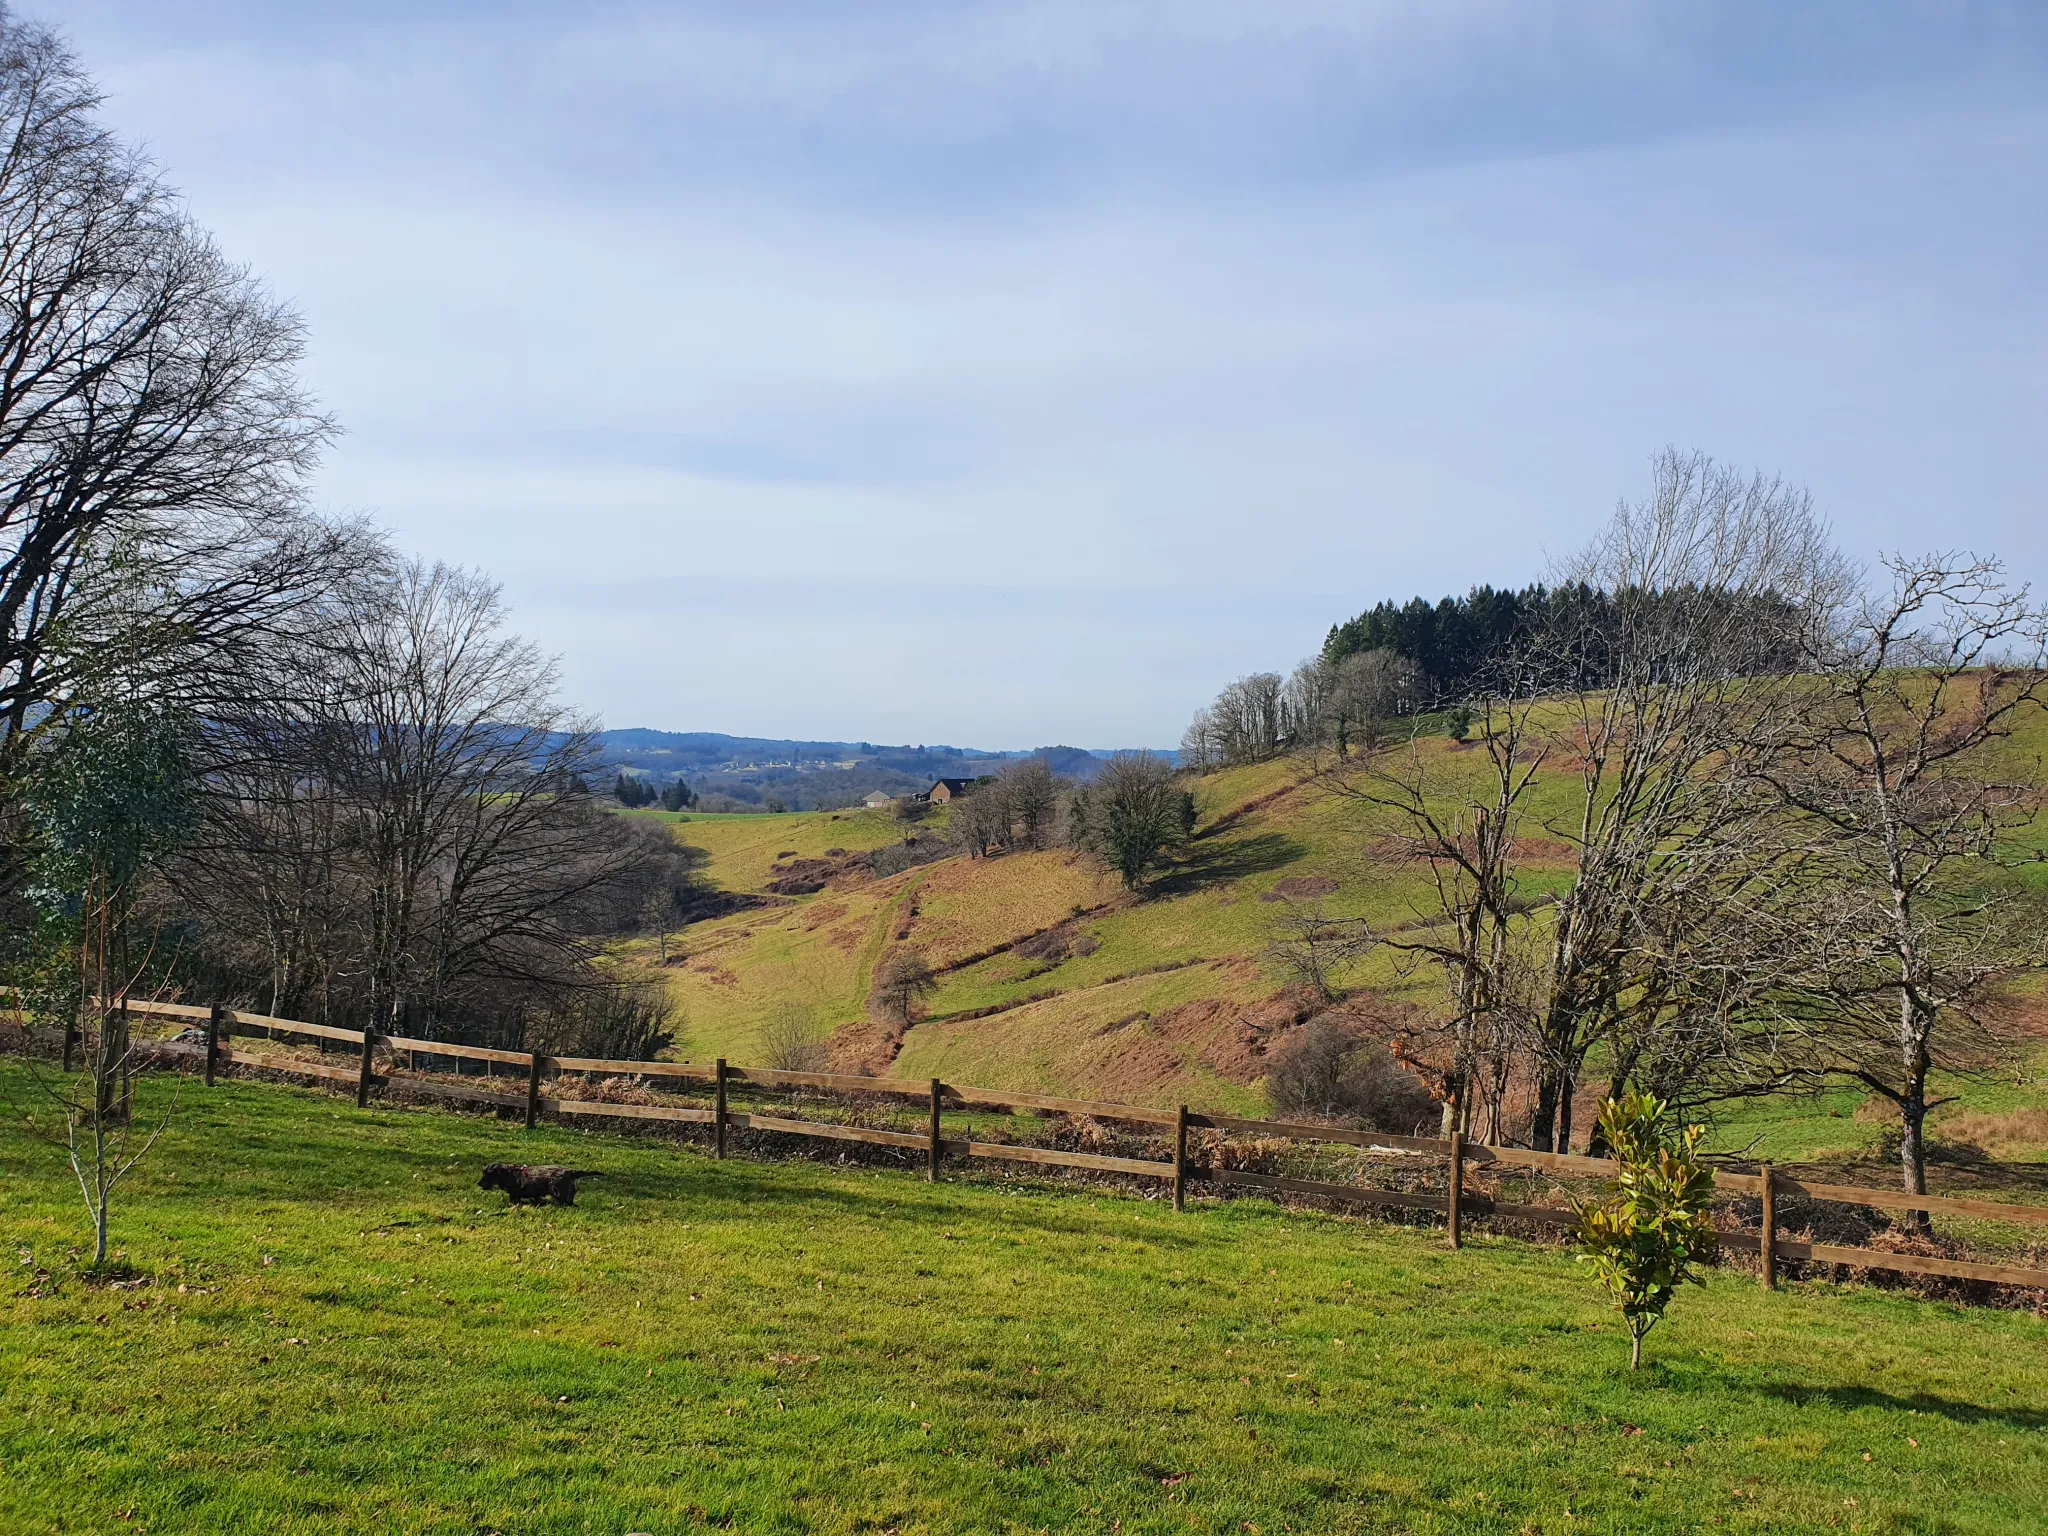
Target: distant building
<point>879,800</point>
<point>945,789</point>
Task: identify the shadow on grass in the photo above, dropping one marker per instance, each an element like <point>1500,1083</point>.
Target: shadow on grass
<point>1845,1396</point>
<point>1848,1397</point>
<point>1217,863</point>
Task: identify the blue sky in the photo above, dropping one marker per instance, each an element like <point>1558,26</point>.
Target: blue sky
<point>1016,373</point>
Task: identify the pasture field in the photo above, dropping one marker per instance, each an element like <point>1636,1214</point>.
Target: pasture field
<point>329,1328</point>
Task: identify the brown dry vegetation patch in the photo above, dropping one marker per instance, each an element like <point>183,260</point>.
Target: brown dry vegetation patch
<point>1062,941</point>
<point>866,1049</point>
<point>2016,1133</point>
<point>794,876</point>
<point>1301,888</point>
<point>822,913</point>
<point>2016,1016</point>
<point>1233,1039</point>
<point>1142,1061</point>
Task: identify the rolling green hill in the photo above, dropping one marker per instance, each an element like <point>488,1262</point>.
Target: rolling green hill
<point>1054,979</point>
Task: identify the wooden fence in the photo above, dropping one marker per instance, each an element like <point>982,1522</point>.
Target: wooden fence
<point>221,1024</point>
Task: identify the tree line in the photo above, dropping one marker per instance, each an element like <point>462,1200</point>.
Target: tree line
<point>1739,818</point>
<point>1461,645</point>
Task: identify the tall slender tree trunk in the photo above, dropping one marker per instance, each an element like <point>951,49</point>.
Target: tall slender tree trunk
<point>1545,1123</point>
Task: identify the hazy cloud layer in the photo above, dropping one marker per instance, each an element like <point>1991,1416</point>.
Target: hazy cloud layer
<point>1015,373</point>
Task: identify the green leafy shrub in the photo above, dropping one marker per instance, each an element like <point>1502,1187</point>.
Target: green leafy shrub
<point>1651,1224</point>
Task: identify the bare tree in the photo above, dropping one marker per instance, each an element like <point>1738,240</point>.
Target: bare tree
<point>1711,584</point>
<point>1200,750</point>
<point>1468,843</point>
<point>1670,941</point>
<point>793,1040</point>
<point>1246,722</point>
<point>979,820</point>
<point>1313,945</point>
<point>1913,925</point>
<point>420,833</point>
<point>1031,798</point>
<point>154,441</point>
<point>1367,691</point>
<point>1306,718</point>
<point>902,983</point>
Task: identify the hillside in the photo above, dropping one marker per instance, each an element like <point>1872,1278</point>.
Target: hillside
<point>1055,979</point>
<point>329,1328</point>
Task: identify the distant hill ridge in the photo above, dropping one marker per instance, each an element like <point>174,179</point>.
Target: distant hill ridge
<point>750,772</point>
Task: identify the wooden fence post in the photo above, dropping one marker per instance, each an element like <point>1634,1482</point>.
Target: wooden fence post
<point>213,1023</point>
<point>718,1111</point>
<point>1180,1159</point>
<point>1457,1181</point>
<point>363,1077</point>
<point>931,1164</point>
<point>1767,1247</point>
<point>533,1071</point>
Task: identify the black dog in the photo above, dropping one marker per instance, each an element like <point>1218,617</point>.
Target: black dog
<point>532,1186</point>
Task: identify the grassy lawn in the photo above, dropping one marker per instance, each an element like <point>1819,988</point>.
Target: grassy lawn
<point>365,1342</point>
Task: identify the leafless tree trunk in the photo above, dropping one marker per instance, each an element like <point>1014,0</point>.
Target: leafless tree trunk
<point>1031,797</point>
<point>1915,924</point>
<point>1713,583</point>
<point>1468,844</point>
<point>416,828</point>
<point>1668,934</point>
<point>1312,945</point>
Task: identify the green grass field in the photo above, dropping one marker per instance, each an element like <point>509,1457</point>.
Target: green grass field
<point>337,1332</point>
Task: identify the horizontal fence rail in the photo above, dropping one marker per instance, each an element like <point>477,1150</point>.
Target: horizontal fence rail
<point>223,1023</point>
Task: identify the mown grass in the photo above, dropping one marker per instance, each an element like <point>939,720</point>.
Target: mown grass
<point>366,1342</point>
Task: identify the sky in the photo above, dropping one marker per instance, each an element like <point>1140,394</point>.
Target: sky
<point>1015,373</point>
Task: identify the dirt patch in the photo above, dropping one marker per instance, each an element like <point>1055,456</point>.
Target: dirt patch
<point>2017,1016</point>
<point>1301,888</point>
<point>819,915</point>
